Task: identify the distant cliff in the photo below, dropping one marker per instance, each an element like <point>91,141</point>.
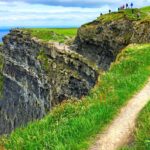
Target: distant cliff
<point>36,76</point>
<point>101,40</point>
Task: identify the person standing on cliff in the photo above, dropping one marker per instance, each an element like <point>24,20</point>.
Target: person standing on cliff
<point>131,5</point>
<point>127,5</point>
<point>132,8</point>
<point>123,7</point>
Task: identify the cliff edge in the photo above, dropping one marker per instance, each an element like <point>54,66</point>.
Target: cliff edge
<point>37,75</point>
<point>101,40</point>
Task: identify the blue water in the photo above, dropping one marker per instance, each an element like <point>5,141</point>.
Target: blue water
<point>3,32</point>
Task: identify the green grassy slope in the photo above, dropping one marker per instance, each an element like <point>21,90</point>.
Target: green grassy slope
<point>145,9</point>
<point>142,133</point>
<point>72,125</point>
<point>50,34</point>
<point>127,13</point>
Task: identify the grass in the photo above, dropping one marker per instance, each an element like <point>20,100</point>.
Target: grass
<point>145,9</point>
<point>142,133</point>
<point>57,34</point>
<point>127,13</point>
<point>73,124</point>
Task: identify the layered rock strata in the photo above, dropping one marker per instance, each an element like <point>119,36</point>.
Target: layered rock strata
<point>101,41</point>
<point>36,76</point>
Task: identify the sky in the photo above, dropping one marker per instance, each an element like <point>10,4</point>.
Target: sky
<point>56,13</point>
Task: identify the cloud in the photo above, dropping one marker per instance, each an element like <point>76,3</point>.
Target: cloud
<point>56,13</point>
<point>82,3</point>
<point>25,14</point>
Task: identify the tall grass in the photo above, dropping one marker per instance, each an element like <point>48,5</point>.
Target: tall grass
<point>73,124</point>
<point>142,133</point>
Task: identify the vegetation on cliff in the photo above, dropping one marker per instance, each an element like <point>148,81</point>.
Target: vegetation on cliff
<point>102,40</point>
<point>73,124</point>
<point>56,34</point>
<point>127,13</point>
<point>141,138</point>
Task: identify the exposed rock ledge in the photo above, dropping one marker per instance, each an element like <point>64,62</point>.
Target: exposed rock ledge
<point>101,41</point>
<point>36,76</point>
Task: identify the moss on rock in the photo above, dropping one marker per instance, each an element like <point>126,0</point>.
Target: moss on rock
<point>1,76</point>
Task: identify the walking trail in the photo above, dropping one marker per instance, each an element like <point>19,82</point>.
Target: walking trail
<point>121,129</point>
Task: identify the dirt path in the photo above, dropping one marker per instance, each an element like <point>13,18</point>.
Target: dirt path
<point>120,130</point>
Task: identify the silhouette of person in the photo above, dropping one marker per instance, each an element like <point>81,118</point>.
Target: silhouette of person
<point>127,5</point>
<point>131,5</point>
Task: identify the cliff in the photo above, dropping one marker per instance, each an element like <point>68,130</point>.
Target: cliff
<point>101,40</point>
<point>35,76</point>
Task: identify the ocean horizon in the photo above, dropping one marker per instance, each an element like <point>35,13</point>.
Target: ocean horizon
<point>3,32</point>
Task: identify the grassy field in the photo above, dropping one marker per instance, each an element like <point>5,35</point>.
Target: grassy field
<point>49,34</point>
<point>73,124</point>
<point>142,132</point>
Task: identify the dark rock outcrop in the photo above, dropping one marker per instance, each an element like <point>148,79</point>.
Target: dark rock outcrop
<point>37,76</point>
<point>101,41</point>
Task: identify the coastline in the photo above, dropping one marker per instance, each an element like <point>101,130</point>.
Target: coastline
<point>3,32</point>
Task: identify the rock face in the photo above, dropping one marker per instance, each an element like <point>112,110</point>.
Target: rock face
<point>36,76</point>
<point>101,41</point>
<point>141,32</point>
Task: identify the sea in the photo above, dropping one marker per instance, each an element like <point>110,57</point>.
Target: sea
<point>3,32</point>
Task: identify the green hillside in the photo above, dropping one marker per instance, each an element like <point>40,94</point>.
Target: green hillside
<point>53,34</point>
<point>127,13</point>
<point>73,124</point>
<point>145,9</point>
